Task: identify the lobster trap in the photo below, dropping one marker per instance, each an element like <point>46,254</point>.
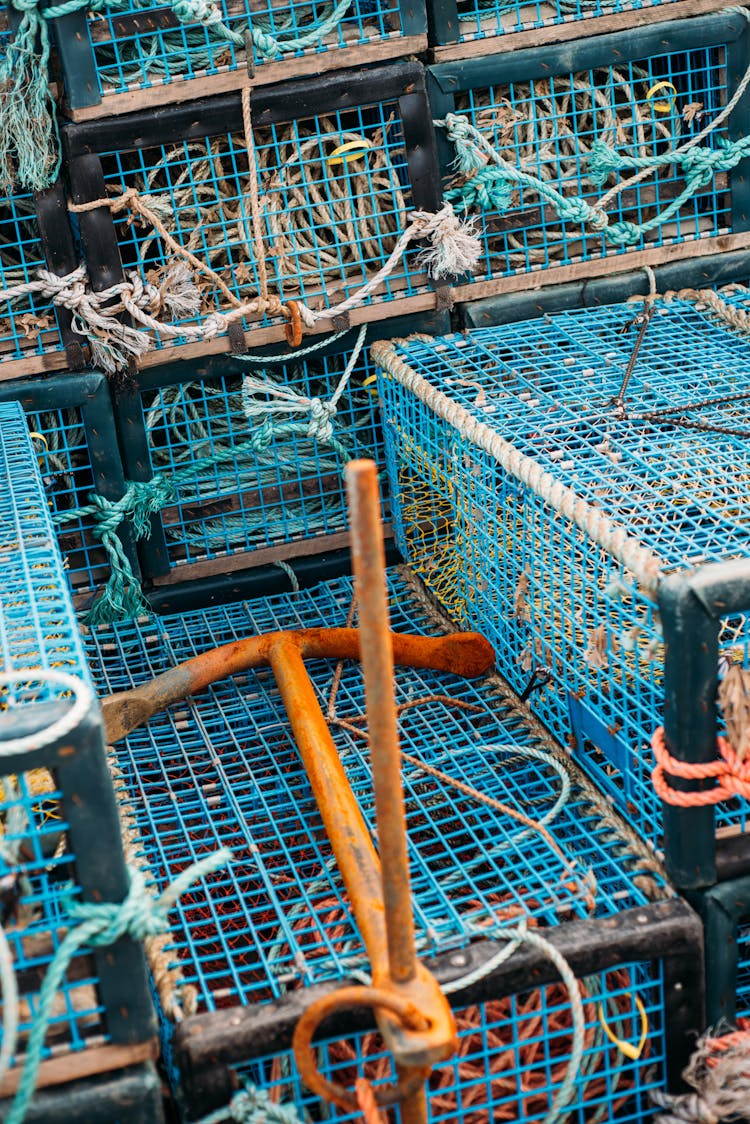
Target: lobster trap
<point>257,447</point>
<point>145,55</point>
<point>60,840</point>
<point>75,443</point>
<point>317,211</point>
<point>564,522</point>
<point>515,1033</point>
<point>570,158</point>
<point>35,239</point>
<point>222,768</point>
<point>467,28</point>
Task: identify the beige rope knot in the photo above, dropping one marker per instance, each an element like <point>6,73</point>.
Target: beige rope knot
<point>598,220</point>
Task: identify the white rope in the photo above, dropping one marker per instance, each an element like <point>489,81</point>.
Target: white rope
<point>83,698</point>
<point>288,401</point>
<point>642,563</point>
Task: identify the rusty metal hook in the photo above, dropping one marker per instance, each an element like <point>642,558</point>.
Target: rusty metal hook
<point>293,326</point>
<point>376,998</point>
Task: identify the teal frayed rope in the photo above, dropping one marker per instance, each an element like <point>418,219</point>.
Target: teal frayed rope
<point>28,127</point>
<point>122,596</point>
<point>99,925</point>
<point>492,181</point>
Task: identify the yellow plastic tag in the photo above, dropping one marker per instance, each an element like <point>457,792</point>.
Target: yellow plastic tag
<point>663,106</point>
<point>368,384</point>
<point>627,1048</point>
<point>349,151</point>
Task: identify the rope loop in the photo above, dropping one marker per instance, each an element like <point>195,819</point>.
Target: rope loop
<point>731,774</point>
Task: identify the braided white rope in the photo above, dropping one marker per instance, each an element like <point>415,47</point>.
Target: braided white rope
<point>595,523</point>
<point>83,698</point>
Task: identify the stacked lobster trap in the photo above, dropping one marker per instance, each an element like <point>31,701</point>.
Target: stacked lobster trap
<point>225,213</point>
<point>59,824</point>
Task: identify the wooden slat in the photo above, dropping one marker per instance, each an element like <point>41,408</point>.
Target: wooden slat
<point>588,270</point>
<point>264,556</point>
<point>189,89</point>
<point>574,29</point>
<point>83,1063</point>
<point>32,365</point>
<point>261,337</point>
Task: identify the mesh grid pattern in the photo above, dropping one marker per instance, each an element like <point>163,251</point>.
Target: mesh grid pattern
<point>221,769</point>
<point>329,221</point>
<point>484,19</point>
<point>128,59</point>
<point>292,489</point>
<point>64,459</point>
<point>37,630</point>
<point>743,970</point>
<point>547,128</point>
<point>543,592</point>
<point>511,1058</point>
<point>28,325</point>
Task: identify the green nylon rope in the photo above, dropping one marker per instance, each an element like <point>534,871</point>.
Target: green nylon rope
<point>492,183</point>
<point>28,127</point>
<point>100,924</point>
<point>122,596</point>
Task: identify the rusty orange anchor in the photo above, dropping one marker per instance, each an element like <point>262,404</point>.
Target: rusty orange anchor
<point>413,1015</point>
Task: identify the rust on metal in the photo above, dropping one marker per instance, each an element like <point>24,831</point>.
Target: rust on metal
<point>464,653</point>
<point>413,1015</point>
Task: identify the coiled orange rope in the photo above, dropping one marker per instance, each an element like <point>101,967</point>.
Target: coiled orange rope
<point>731,774</point>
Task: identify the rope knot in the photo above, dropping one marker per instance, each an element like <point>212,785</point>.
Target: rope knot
<point>454,246</point>
<point>320,427</point>
<point>732,775</point>
<point>602,162</point>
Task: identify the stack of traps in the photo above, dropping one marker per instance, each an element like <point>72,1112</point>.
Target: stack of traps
<point>222,769</point>
<point>58,817</point>
<point>545,112</point>
<point>549,519</point>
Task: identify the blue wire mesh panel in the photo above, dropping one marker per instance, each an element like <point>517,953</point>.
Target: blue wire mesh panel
<point>143,51</point>
<point>37,630</point>
<point>557,119</point>
<point>335,189</point>
<point>222,769</point>
<point>512,1055</point>
<point>526,562</point>
<point>465,21</point>
<point>743,970</point>
<point>73,434</point>
<point>261,467</point>
<point>28,323</point>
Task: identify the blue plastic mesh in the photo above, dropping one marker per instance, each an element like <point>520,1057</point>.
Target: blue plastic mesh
<point>544,592</point>
<point>291,490</point>
<point>37,630</point>
<point>222,768</point>
<point>329,222</point>
<point>743,969</point>
<point>484,19</point>
<point>64,460</point>
<point>547,128</point>
<point>511,1058</point>
<point>137,57</point>
<point>28,325</point>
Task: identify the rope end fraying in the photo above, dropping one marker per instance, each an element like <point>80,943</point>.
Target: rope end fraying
<point>719,1074</point>
<point>454,245</point>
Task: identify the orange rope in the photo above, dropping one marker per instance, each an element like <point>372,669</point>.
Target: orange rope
<point>366,1102</point>
<point>739,1038</point>
<point>731,774</point>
